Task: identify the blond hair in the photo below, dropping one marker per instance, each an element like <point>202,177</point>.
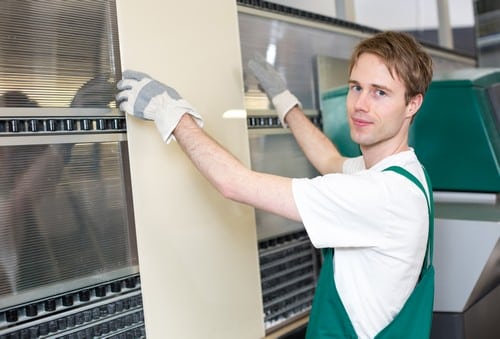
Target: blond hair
<point>404,57</point>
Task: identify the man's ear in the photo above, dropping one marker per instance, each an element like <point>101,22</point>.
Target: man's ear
<point>414,105</point>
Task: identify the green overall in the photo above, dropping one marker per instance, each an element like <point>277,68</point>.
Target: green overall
<point>329,319</point>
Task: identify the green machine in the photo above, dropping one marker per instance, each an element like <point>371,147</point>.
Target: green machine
<point>455,133</point>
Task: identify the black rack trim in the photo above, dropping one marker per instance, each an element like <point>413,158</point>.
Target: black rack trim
<point>61,125</point>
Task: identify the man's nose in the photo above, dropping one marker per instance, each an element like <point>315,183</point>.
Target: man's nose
<point>361,101</point>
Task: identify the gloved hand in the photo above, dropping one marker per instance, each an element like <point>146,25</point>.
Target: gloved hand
<point>149,99</point>
<point>274,86</point>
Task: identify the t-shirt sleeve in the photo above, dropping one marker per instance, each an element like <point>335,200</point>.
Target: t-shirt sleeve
<point>353,165</point>
<point>343,210</point>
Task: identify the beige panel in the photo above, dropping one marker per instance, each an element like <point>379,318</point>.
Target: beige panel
<point>332,72</point>
<point>197,251</point>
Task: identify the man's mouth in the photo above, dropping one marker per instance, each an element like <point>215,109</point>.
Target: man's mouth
<point>360,122</point>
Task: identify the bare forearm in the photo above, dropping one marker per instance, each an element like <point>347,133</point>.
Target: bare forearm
<point>211,159</point>
<point>320,151</point>
<point>228,175</point>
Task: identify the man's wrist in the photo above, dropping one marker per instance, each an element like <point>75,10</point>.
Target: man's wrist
<point>283,103</point>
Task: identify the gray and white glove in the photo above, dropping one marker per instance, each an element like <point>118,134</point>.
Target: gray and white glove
<point>274,85</point>
<point>146,98</point>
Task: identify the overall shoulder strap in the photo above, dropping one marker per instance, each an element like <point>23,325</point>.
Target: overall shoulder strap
<point>430,207</point>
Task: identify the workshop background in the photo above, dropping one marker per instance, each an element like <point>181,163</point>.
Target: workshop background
<point>106,232</point>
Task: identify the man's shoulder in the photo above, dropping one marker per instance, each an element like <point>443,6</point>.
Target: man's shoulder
<point>353,165</point>
<point>407,159</point>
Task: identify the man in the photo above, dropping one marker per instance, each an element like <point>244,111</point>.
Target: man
<point>376,220</point>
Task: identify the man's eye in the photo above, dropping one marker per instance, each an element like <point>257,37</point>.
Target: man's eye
<point>355,88</point>
<point>380,92</point>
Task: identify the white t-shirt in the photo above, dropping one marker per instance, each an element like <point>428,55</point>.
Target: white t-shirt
<point>378,224</point>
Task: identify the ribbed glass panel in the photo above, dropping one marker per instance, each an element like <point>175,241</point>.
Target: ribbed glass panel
<point>63,214</point>
<point>66,214</point>
<point>50,49</point>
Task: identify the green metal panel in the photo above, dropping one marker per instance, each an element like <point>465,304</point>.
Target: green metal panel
<point>335,124</point>
<point>454,133</point>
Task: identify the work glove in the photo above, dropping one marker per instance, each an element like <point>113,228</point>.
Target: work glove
<point>148,99</point>
<point>274,85</point>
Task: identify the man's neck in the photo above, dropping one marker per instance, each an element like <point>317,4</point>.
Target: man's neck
<point>373,155</point>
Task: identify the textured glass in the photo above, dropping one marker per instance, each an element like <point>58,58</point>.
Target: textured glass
<point>63,214</point>
<point>66,216</point>
<point>50,49</point>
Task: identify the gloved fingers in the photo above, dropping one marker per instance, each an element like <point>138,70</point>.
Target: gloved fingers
<point>261,74</point>
<point>130,87</point>
<point>149,87</point>
<point>131,74</point>
<point>126,103</point>
<point>264,71</point>
<point>269,79</point>
<point>257,68</point>
<point>254,67</point>
<point>260,60</point>
<point>260,63</point>
<point>127,97</point>
<point>127,107</point>
<point>126,84</point>
<point>124,95</point>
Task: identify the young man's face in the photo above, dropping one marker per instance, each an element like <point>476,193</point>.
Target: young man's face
<point>376,108</point>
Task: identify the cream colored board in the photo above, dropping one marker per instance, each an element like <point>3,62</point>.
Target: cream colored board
<point>197,251</point>
<point>332,72</point>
